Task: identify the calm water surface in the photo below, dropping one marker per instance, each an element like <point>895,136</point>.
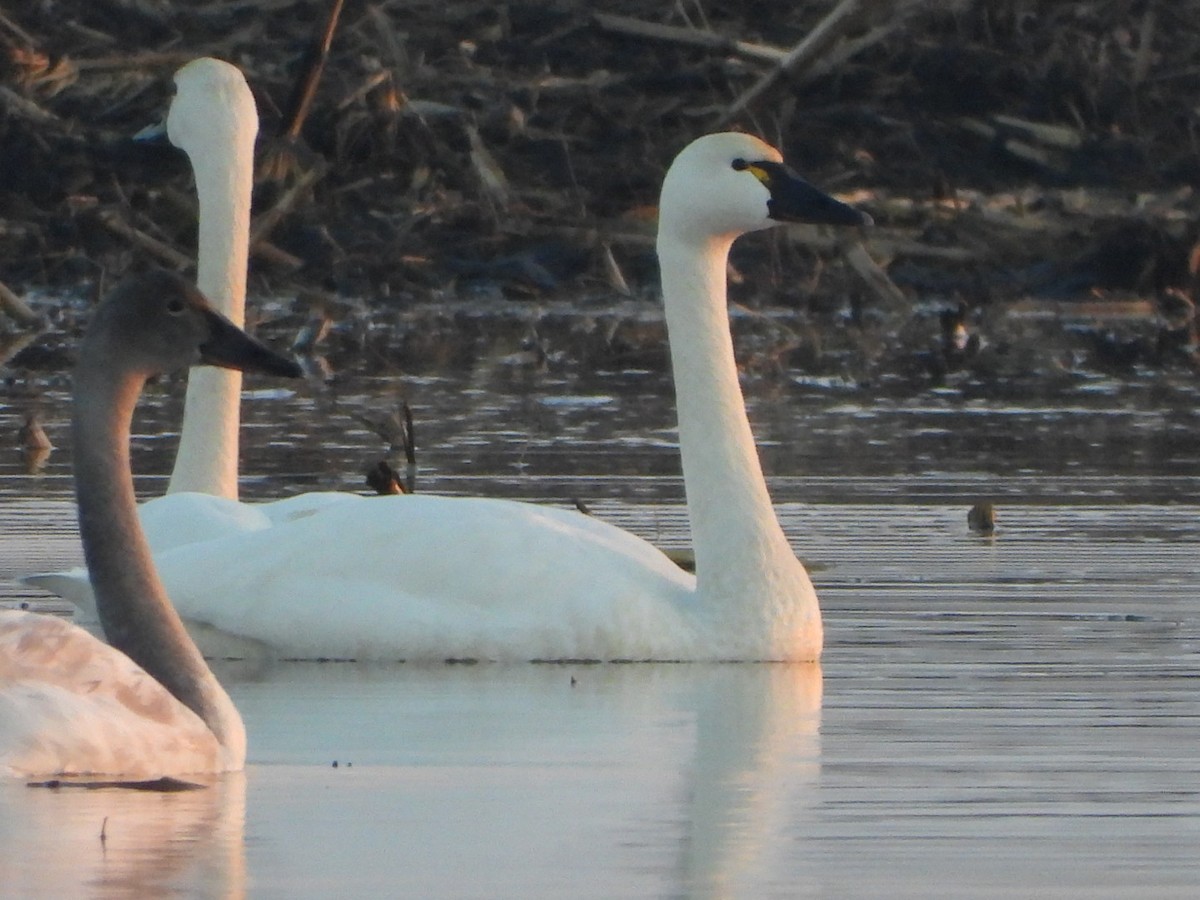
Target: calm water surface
<point>1013,716</point>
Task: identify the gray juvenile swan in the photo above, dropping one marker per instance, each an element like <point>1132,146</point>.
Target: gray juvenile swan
<point>148,705</point>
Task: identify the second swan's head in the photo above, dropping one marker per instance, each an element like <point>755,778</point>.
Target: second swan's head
<point>212,109</point>
<point>158,322</point>
<point>729,183</point>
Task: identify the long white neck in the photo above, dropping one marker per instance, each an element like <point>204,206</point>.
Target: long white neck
<point>137,617</point>
<point>747,574</point>
<point>207,460</point>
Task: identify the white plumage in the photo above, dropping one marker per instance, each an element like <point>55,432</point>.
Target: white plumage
<point>427,577</point>
<point>71,704</point>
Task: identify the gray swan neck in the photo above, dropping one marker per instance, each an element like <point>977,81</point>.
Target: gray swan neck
<point>135,613</point>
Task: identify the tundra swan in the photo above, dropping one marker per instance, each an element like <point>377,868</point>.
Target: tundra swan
<point>429,577</point>
<point>145,704</point>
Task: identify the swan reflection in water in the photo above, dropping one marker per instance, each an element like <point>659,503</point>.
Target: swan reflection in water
<point>757,759</point>
<point>646,775</point>
<point>184,843</point>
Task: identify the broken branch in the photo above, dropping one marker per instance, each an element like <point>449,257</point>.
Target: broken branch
<point>112,220</point>
<point>691,36</point>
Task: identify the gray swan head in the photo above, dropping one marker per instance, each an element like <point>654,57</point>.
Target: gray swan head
<point>159,322</point>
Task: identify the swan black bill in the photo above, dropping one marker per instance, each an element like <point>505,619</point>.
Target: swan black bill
<point>228,347</point>
<point>154,133</point>
<point>795,200</point>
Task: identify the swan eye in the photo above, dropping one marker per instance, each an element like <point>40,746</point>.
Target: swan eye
<point>758,169</point>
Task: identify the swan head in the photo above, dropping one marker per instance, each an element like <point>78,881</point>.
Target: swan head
<point>158,322</point>
<point>212,108</point>
<point>722,185</point>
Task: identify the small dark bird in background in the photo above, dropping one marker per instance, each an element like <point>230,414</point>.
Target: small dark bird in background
<point>958,343</point>
<point>31,435</point>
<point>1178,336</point>
<point>313,331</point>
<point>981,518</point>
<point>384,480</point>
<point>396,430</point>
<point>35,445</point>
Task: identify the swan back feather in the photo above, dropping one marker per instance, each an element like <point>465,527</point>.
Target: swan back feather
<point>71,704</point>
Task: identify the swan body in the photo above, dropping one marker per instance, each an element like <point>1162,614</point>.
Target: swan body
<point>428,577</point>
<point>72,705</point>
<point>145,704</point>
<point>444,577</point>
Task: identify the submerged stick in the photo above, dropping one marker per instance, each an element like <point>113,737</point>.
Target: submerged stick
<point>164,785</point>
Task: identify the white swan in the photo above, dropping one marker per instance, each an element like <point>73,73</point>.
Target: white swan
<point>214,121</point>
<point>147,705</point>
<point>427,577</point>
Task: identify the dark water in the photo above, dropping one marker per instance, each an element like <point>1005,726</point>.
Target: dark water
<point>519,430</point>
<point>993,717</point>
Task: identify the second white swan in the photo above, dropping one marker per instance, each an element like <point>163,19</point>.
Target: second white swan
<point>427,577</point>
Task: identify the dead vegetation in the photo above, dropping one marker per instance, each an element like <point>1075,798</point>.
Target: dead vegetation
<point>1012,152</point>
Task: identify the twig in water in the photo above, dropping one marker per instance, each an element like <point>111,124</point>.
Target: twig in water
<point>17,308</point>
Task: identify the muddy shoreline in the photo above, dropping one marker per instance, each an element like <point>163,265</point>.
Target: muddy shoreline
<point>1031,167</point>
